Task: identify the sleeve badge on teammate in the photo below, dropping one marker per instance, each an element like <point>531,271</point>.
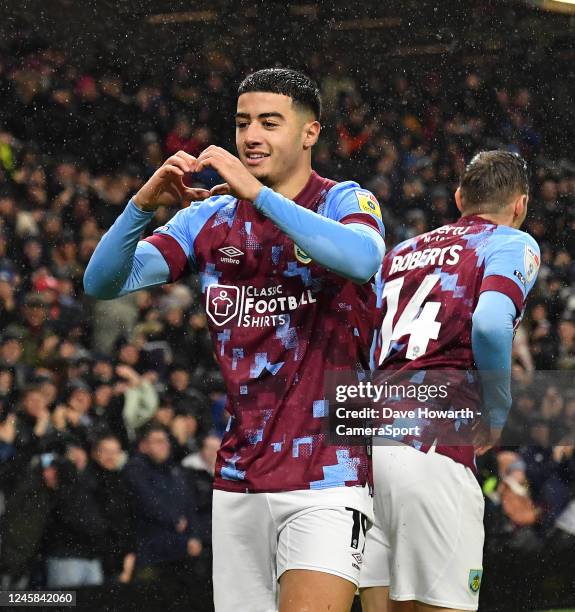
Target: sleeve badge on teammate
<point>531,261</point>
<point>368,203</point>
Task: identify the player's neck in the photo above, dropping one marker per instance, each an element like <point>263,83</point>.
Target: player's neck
<point>294,184</point>
<point>497,219</point>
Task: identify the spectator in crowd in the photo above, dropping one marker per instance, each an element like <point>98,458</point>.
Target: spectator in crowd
<point>181,139</point>
<point>75,533</point>
<point>25,519</point>
<point>71,419</point>
<point>106,480</point>
<point>37,333</point>
<point>167,527</point>
<point>11,357</point>
<point>562,537</point>
<point>8,313</point>
<point>140,398</point>
<point>199,469</point>
<point>32,424</point>
<point>112,320</point>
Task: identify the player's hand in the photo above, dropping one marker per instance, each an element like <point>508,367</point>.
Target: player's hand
<point>485,437</point>
<point>239,181</point>
<point>166,186</point>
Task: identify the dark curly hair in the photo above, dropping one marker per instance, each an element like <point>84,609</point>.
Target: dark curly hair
<point>299,87</point>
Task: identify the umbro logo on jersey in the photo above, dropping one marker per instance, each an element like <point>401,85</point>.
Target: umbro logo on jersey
<point>231,252</point>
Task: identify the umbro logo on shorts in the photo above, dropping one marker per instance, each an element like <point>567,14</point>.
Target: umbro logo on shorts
<point>358,560</point>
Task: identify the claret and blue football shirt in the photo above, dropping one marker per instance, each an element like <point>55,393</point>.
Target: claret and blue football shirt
<point>277,318</point>
<point>430,286</point>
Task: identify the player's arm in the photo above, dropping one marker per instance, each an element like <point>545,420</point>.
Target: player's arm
<point>353,250</point>
<point>511,266</point>
<point>121,262</point>
<point>492,341</point>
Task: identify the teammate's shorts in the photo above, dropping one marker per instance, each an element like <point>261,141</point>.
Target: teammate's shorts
<point>258,536</point>
<point>427,540</point>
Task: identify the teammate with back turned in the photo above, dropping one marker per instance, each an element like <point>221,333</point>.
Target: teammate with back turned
<point>284,257</point>
<point>450,303</point>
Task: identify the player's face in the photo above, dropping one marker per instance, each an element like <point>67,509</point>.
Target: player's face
<point>272,136</point>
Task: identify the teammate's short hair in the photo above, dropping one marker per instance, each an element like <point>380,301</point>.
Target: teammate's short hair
<point>491,179</point>
<point>299,87</point>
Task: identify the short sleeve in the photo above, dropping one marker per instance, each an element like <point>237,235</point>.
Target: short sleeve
<point>348,203</point>
<point>176,239</point>
<point>511,266</point>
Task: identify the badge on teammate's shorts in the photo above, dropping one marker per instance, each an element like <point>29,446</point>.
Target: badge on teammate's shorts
<point>427,541</point>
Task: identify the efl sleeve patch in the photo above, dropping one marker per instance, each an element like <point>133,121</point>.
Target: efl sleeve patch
<point>531,262</point>
<point>368,203</point>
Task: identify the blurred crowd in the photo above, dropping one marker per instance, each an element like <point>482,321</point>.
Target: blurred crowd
<point>111,412</point>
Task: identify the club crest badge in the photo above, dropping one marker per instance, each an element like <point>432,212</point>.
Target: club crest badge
<point>301,255</point>
<point>475,580</point>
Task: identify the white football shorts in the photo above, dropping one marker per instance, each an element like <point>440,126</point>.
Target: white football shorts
<point>256,537</point>
<point>427,540</point>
